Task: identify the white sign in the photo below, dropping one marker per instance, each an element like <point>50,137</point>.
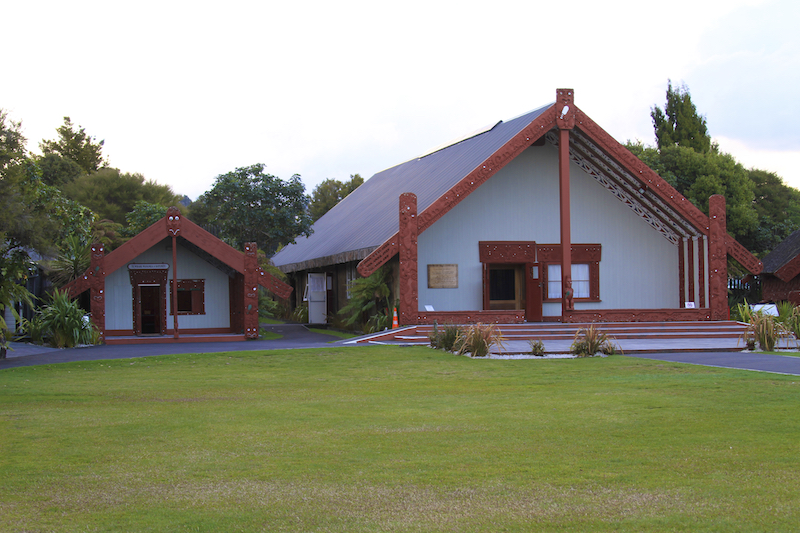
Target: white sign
<point>148,266</point>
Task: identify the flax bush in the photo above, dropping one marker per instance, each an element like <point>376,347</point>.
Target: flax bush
<point>537,348</point>
<point>590,341</point>
<point>478,339</point>
<point>445,338</point>
<point>765,330</point>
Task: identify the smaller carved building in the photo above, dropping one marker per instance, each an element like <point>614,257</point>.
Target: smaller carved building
<point>175,282</point>
<point>780,278</point>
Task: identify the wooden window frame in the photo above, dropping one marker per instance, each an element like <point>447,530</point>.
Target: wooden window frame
<point>594,281</point>
<point>197,289</point>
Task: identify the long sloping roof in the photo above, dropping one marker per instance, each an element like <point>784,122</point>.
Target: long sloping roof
<point>364,226</point>
<point>782,261</point>
<point>359,223</point>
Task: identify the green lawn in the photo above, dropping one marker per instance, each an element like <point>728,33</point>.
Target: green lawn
<point>396,439</point>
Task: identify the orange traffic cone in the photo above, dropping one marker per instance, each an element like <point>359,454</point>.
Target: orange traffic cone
<point>395,324</point>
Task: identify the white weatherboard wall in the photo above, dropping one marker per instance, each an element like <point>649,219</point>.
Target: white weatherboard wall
<point>639,267</point>
<point>119,304</point>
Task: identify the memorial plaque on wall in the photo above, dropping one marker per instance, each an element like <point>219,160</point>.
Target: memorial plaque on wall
<point>442,276</point>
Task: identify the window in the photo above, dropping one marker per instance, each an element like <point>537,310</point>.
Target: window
<point>351,276</point>
<point>191,297</point>
<point>581,282</point>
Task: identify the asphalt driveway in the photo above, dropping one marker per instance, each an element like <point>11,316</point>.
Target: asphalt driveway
<point>298,336</point>
<point>293,336</point>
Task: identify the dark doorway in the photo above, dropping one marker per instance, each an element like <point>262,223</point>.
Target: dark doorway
<point>513,286</point>
<point>150,306</point>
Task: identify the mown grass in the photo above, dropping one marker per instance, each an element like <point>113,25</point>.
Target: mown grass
<point>396,439</point>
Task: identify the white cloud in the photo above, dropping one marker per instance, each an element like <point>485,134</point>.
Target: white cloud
<point>182,92</point>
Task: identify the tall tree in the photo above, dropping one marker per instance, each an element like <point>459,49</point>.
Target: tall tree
<point>679,124</point>
<point>250,205</point>
<point>330,192</point>
<point>75,144</point>
<point>12,142</point>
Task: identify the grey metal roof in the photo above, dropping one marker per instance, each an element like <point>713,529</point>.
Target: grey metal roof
<point>784,252</point>
<point>369,215</point>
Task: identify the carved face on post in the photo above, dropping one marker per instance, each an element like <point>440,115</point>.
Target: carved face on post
<point>173,221</point>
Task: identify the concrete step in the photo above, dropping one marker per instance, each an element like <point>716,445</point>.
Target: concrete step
<point>636,337</point>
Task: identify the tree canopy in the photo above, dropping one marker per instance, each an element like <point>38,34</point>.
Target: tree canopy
<point>679,124</point>
<point>113,194</point>
<point>251,206</point>
<point>330,192</point>
<point>75,144</point>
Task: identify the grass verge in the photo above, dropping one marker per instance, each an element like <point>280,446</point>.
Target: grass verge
<point>396,439</point>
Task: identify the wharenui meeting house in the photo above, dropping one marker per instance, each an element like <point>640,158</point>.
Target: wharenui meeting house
<point>175,282</point>
<point>484,228</point>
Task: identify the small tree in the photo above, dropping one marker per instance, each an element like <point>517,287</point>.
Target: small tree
<point>330,192</point>
<point>370,300</point>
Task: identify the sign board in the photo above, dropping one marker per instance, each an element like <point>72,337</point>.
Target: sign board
<point>442,276</point>
<point>148,266</point>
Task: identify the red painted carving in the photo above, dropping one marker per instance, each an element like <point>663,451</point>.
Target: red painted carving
<point>638,315</point>
<point>717,258</point>
<point>173,220</point>
<point>775,290</point>
<point>97,288</point>
<point>748,260</point>
<point>701,263</point>
<point>531,133</point>
<point>691,259</point>
<point>78,285</point>
<point>594,280</point>
<point>581,253</point>
<point>507,251</point>
<point>273,284</point>
<point>642,172</point>
<point>409,288</point>
<point>565,109</point>
<point>250,291</point>
<point>681,274</point>
<point>472,317</point>
<point>382,255</point>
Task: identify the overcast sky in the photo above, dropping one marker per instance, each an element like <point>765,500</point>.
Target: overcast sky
<point>184,91</point>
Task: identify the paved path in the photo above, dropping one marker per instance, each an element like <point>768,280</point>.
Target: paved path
<point>298,336</point>
<point>293,336</point>
<point>779,364</point>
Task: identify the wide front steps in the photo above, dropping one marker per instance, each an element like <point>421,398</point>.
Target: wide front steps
<point>630,337</point>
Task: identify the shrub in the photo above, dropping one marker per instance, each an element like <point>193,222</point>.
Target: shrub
<point>370,298</point>
<point>741,312</point>
<point>445,338</point>
<point>765,330</point>
<point>478,339</point>
<point>300,314</point>
<point>789,316</point>
<point>267,307</point>
<point>537,348</point>
<point>589,341</point>
<point>63,323</point>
